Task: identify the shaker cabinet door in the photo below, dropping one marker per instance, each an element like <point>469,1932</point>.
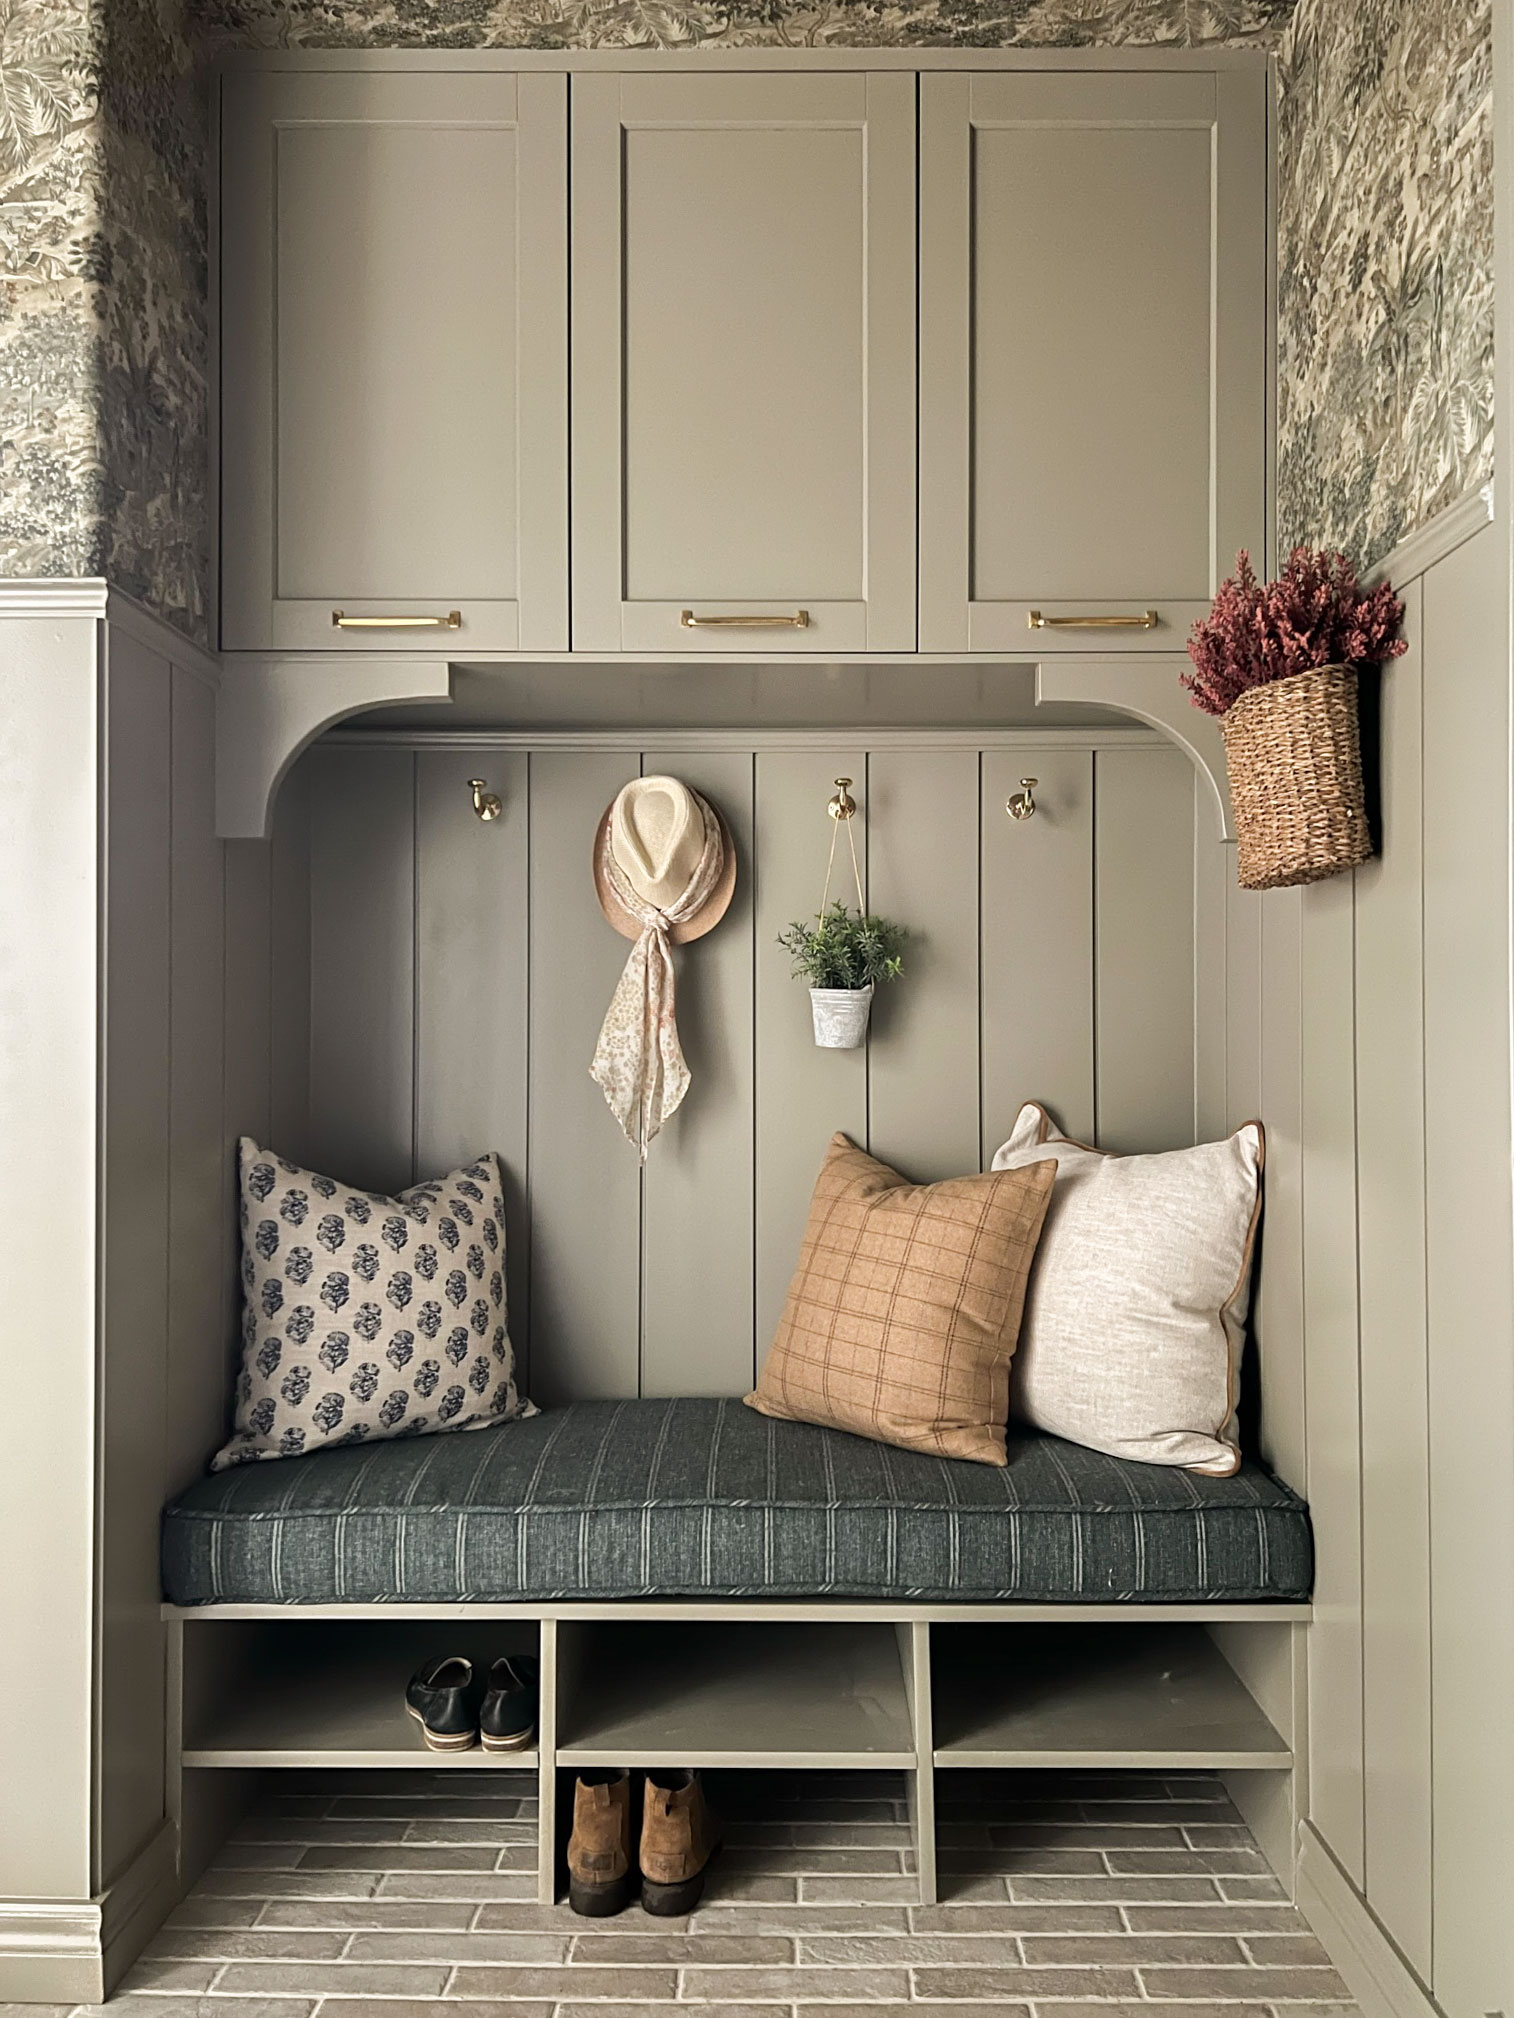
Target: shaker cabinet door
<point>394,360</point>
<point>743,363</point>
<point>1093,317</point>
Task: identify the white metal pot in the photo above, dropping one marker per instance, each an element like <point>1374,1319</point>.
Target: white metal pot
<point>841,1016</point>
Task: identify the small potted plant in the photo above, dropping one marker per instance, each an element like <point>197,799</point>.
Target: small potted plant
<point>1277,663</point>
<point>843,955</point>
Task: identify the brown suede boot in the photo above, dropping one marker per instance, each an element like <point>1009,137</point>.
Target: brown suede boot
<point>599,1850</point>
<point>679,1836</point>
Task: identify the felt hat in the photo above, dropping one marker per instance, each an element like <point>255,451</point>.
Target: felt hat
<point>655,830</point>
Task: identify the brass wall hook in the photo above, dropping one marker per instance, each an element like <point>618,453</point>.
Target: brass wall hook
<point>1021,805</point>
<point>485,803</point>
<point>841,805</point>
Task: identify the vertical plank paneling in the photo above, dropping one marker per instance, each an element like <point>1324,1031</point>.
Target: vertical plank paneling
<point>585,1178</point>
<point>697,1238</point>
<point>1466,891</point>
<point>472,985</point>
<point>1243,1004</point>
<point>135,1306</point>
<point>362,966</point>
<point>1390,1140</point>
<point>1330,1329</point>
<point>1143,852</point>
<point>196,1374</point>
<point>803,1094</point>
<point>289,1006</point>
<point>1037,941</point>
<point>922,849</point>
<point>246,1104</point>
<point>1279,1318</point>
<point>1213,871</point>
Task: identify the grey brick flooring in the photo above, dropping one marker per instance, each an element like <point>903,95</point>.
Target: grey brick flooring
<point>409,1895</point>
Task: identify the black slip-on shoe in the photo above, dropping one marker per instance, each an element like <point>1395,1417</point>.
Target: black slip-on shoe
<point>442,1696</point>
<point>507,1721</point>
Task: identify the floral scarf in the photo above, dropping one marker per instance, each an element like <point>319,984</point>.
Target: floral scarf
<point>638,1060</point>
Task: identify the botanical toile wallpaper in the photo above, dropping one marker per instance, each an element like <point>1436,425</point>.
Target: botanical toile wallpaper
<point>1385,310</point>
<point>1386,403</point>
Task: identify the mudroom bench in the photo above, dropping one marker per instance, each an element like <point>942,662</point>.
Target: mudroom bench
<point>710,1587</point>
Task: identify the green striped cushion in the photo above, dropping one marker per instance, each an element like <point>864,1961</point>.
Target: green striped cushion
<point>708,1499</point>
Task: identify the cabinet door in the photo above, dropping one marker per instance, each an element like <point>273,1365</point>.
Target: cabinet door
<point>394,359</point>
<point>743,363</point>
<point>1092,352</point>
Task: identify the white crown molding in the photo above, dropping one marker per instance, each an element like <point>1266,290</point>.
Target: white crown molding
<point>1380,1979</point>
<point>56,596</point>
<point>1430,543</point>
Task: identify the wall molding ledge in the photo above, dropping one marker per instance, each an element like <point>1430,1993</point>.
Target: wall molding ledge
<point>75,1951</point>
<point>1420,550</point>
<point>1380,1979</point>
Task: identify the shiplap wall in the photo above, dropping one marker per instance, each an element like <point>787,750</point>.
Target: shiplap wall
<point>1369,1020</point>
<point>439,985</point>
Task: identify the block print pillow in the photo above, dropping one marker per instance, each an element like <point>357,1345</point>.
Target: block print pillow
<point>367,1316</point>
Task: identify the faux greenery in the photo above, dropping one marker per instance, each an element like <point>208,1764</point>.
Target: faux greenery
<point>1315,614</point>
<point>844,948</point>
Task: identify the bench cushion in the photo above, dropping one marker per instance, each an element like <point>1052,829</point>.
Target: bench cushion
<point>694,1498</point>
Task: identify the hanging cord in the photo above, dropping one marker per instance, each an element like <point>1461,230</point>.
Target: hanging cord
<point>843,810</point>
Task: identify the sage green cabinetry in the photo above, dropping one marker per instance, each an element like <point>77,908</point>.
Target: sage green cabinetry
<point>1093,351</point>
<point>744,362</point>
<point>393,349</point>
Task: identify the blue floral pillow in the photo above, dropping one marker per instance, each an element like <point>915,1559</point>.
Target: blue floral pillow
<point>368,1316</point>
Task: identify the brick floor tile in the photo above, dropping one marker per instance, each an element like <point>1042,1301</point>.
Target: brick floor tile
<point>1274,1986</point>
<point>1038,1986</point>
<point>577,1981</point>
<point>759,1986</point>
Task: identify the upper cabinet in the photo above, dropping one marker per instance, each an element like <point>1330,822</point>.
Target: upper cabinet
<point>1043,301</point>
<point>394,360</point>
<point>1093,353</point>
<point>743,362</point>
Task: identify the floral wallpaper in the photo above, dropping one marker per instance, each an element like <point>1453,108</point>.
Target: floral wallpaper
<point>1385,403</point>
<point>1385,395</point>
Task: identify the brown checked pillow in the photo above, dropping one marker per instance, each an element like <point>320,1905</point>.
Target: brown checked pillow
<point>902,1316</point>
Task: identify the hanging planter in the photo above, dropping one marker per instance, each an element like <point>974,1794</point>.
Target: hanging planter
<point>841,1016</point>
<point>1278,666</point>
<point>843,954</point>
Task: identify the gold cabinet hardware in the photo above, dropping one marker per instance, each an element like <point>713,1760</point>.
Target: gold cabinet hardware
<point>841,805</point>
<point>799,621</point>
<point>1147,620</point>
<point>452,621</point>
<point>485,803</point>
<point>1021,805</point>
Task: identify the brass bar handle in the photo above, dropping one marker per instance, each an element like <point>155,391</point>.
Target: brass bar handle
<point>1146,621</point>
<point>799,621</point>
<point>452,621</point>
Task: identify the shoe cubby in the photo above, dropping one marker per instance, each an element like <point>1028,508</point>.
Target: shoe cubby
<point>733,1694</point>
<point>1099,1696</point>
<point>326,1692</point>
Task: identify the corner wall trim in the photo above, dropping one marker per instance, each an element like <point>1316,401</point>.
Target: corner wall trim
<point>1380,1979</point>
<point>1420,550</point>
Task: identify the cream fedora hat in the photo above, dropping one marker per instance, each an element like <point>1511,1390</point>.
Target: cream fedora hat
<point>654,827</point>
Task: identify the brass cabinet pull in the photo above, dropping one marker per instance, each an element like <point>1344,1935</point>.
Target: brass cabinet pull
<point>1146,621</point>
<point>452,621</point>
<point>799,621</point>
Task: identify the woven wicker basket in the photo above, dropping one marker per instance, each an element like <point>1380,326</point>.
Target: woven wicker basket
<point>1295,762</point>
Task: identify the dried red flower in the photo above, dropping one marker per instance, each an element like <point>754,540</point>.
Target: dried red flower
<point>1315,614</point>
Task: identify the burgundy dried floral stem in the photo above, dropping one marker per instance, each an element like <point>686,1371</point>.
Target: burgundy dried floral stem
<point>1316,613</point>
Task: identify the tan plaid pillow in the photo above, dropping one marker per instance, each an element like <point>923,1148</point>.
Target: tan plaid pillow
<point>903,1314</point>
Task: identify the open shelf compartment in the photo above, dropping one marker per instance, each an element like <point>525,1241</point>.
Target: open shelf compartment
<point>677,1693</point>
<point>328,1693</point>
<point>1094,1696</point>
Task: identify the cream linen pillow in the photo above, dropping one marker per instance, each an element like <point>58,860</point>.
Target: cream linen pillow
<point>1136,1312</point>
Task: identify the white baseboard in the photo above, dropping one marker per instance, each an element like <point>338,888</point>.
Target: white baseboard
<point>1381,1981</point>
<point>75,1951</point>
